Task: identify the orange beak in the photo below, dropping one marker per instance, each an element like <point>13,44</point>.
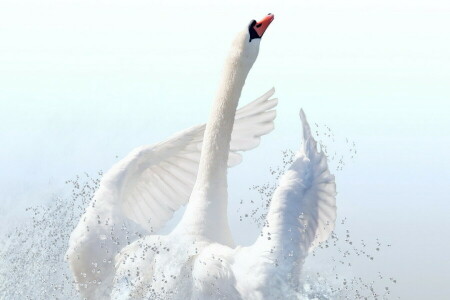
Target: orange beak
<point>262,25</point>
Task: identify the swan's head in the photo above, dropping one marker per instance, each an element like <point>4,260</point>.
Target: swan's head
<point>246,44</point>
<point>257,29</point>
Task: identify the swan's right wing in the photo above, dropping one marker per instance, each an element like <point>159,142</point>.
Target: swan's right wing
<point>251,122</point>
<point>140,193</point>
<point>160,178</point>
<point>136,197</point>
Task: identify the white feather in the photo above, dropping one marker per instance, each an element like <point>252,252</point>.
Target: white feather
<point>197,259</point>
<point>144,189</point>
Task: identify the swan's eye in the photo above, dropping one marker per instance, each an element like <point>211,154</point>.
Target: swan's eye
<point>252,31</point>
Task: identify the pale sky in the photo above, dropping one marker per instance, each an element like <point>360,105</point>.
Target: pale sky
<point>82,82</point>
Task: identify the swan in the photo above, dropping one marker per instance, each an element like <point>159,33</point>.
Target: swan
<point>114,253</point>
<point>140,193</point>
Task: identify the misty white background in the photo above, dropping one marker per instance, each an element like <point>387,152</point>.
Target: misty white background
<point>84,82</point>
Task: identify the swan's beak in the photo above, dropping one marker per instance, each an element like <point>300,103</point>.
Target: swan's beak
<point>262,25</point>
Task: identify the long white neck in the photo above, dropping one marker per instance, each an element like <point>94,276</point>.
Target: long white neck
<point>206,214</point>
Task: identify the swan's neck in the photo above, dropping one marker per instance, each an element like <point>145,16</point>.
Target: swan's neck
<point>206,214</point>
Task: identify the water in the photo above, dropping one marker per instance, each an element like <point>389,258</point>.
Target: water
<point>32,256</point>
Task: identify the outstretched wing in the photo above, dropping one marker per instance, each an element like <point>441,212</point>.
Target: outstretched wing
<point>302,214</point>
<point>160,178</point>
<point>303,207</point>
<point>140,193</point>
<point>318,205</point>
<point>251,122</point>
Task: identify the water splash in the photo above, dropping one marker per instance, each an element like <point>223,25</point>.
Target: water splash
<point>342,254</point>
<point>33,264</point>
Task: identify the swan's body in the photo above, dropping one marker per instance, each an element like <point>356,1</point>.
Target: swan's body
<point>189,266</point>
<point>198,259</point>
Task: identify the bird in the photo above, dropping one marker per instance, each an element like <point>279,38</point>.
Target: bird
<point>115,252</point>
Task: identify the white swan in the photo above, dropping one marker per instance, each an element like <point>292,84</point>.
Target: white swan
<point>197,260</point>
<point>142,191</point>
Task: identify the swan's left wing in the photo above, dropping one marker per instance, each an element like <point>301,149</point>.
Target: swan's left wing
<point>302,214</point>
<point>318,204</point>
<point>306,195</point>
<point>302,211</point>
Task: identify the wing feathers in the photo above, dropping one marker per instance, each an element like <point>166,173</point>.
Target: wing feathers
<point>255,105</point>
<point>307,190</point>
<point>252,121</point>
<point>156,180</point>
